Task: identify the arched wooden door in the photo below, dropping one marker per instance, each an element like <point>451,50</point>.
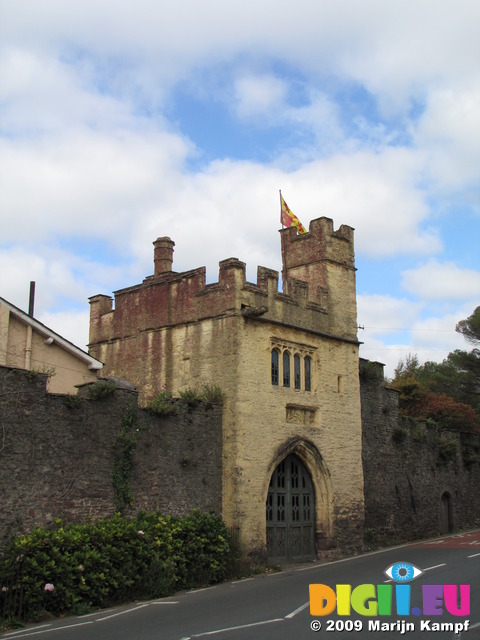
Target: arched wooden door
<point>446,513</point>
<point>291,513</point>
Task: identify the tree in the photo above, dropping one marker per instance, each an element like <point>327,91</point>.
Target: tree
<point>470,328</point>
<point>457,377</point>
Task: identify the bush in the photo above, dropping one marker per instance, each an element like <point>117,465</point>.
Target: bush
<point>100,389</point>
<point>212,393</point>
<point>162,403</point>
<point>80,567</point>
<point>447,449</point>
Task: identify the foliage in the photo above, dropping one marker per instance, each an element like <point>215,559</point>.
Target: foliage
<point>399,435</point>
<point>446,412</point>
<point>419,434</point>
<point>125,447</point>
<point>202,549</point>
<point>100,389</point>
<point>470,328</point>
<point>191,396</point>
<point>418,401</point>
<point>447,449</point>
<point>76,567</point>
<point>162,403</point>
<point>212,393</point>
<point>370,370</point>
<point>446,392</point>
<point>32,374</point>
<point>457,376</point>
<point>73,401</point>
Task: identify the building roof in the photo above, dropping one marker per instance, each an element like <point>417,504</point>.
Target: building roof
<point>50,335</point>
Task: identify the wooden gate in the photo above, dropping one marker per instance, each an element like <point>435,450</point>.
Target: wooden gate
<point>291,513</point>
<point>446,513</point>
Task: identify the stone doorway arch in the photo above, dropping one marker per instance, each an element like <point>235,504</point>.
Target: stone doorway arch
<point>446,513</point>
<point>298,505</point>
<point>290,513</point>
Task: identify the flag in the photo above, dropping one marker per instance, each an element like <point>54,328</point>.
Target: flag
<point>288,219</point>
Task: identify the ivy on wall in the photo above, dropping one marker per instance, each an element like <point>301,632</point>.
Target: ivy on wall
<point>127,439</point>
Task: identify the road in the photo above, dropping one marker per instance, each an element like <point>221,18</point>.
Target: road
<point>276,606</point>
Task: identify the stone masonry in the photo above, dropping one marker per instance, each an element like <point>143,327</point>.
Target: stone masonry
<point>174,331</point>
<point>57,455</point>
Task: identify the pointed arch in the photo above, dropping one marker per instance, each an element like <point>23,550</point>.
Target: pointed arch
<point>312,461</point>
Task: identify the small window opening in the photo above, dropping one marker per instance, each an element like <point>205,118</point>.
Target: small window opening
<point>296,369</point>
<point>275,368</point>
<point>308,373</point>
<point>286,369</point>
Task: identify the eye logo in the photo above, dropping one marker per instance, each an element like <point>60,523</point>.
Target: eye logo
<point>403,572</point>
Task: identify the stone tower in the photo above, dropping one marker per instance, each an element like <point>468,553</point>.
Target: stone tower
<point>288,367</point>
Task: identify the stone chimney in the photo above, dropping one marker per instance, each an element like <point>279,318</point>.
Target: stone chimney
<point>163,255</point>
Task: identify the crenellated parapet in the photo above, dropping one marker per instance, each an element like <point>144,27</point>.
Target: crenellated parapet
<point>324,258</point>
<point>321,243</point>
<point>319,275</point>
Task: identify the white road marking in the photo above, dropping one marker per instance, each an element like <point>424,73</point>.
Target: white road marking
<point>444,564</point>
<point>14,633</point>
<point>121,613</point>
<point>294,613</point>
<point>242,580</point>
<point>37,633</point>
<point>241,626</point>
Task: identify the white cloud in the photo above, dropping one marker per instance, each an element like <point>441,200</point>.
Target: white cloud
<point>449,130</point>
<point>374,192</point>
<point>442,281</point>
<point>259,95</point>
<point>71,325</point>
<point>88,153</point>
<point>392,48</point>
<point>395,328</point>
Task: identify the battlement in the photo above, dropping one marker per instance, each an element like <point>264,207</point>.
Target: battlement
<point>321,243</point>
<point>167,298</point>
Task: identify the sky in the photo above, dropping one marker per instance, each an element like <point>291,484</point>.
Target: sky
<point>124,121</point>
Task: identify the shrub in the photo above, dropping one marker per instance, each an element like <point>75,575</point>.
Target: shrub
<point>212,393</point>
<point>204,549</point>
<point>448,413</point>
<point>73,401</point>
<point>100,389</point>
<point>191,396</point>
<point>162,403</point>
<point>447,449</point>
<point>79,567</point>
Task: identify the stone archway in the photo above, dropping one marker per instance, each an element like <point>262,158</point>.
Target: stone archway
<point>290,513</point>
<point>318,496</point>
<point>446,513</point>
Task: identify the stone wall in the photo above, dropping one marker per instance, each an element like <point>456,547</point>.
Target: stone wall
<point>57,454</point>
<point>419,480</point>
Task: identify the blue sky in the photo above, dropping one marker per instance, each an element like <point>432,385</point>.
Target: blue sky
<point>128,120</point>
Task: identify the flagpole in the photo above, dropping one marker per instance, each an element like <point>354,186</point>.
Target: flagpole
<point>284,257</point>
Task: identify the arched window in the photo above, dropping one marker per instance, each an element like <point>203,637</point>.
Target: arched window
<point>308,373</point>
<point>275,368</point>
<point>296,370</point>
<point>286,369</point>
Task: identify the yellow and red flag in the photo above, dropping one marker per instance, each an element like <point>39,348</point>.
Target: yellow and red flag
<point>288,219</point>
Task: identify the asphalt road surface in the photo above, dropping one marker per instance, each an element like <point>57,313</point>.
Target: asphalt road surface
<point>276,606</point>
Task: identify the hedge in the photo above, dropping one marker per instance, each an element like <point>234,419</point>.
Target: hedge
<point>77,568</point>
